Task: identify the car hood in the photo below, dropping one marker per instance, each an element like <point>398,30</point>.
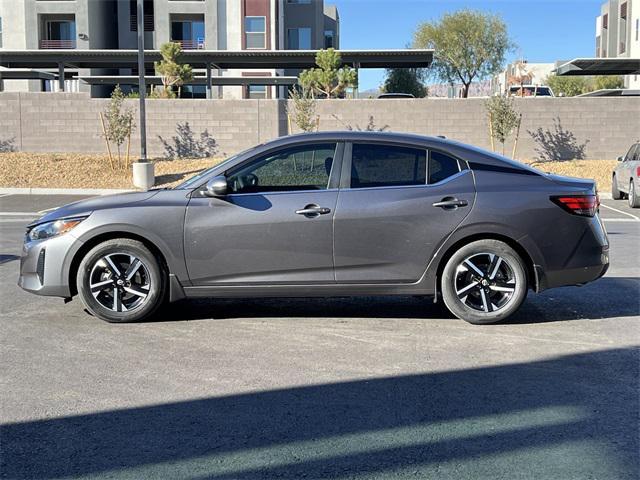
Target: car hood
<point>85,207</point>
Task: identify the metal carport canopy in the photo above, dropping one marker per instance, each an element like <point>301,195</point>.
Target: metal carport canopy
<point>600,66</point>
<point>223,59</point>
<point>197,80</point>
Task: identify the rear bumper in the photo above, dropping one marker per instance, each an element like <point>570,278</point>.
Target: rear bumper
<point>576,275</point>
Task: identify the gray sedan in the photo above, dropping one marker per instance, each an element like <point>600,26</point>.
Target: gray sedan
<point>626,177</point>
<point>328,214</point>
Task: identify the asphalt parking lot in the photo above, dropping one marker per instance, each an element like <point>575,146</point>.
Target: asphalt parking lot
<point>323,388</point>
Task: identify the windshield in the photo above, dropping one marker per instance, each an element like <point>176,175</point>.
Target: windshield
<point>197,179</point>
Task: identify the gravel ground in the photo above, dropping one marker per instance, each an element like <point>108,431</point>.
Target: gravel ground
<point>49,170</point>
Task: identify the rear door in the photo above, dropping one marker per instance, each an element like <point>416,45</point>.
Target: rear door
<point>396,205</point>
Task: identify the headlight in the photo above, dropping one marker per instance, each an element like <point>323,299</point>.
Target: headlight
<point>53,229</point>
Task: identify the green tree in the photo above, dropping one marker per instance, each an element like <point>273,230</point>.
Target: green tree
<point>469,45</point>
<point>405,80</point>
<point>118,124</point>
<point>173,73</point>
<point>302,109</point>
<point>605,82</point>
<point>568,86</point>
<point>503,118</point>
<point>329,79</point>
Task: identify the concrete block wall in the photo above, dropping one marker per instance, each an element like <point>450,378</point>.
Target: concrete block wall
<point>69,122</point>
<point>606,127</point>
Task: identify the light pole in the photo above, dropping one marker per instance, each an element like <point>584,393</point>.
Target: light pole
<point>143,172</point>
<point>141,83</point>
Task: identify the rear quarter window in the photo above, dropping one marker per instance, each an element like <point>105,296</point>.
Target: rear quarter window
<point>441,166</point>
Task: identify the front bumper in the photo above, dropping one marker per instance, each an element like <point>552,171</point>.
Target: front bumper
<point>44,265</point>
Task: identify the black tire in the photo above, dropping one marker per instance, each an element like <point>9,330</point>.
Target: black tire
<point>148,281</point>
<point>509,281</point>
<point>634,197</point>
<point>615,193</point>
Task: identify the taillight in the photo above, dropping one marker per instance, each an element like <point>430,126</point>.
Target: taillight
<point>638,172</point>
<point>585,205</point>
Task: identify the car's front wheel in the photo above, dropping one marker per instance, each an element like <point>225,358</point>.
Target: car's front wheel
<point>121,280</point>
<point>484,282</point>
<point>634,197</point>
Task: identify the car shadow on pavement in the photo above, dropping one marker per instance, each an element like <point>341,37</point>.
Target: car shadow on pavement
<point>609,297</point>
<point>572,416</point>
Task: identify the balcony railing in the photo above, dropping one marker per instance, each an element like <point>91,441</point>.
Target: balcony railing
<point>191,44</point>
<point>57,44</point>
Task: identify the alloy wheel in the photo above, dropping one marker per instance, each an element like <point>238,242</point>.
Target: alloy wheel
<point>485,282</point>
<point>120,282</point>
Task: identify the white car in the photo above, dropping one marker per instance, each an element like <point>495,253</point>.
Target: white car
<point>625,181</point>
<point>530,91</point>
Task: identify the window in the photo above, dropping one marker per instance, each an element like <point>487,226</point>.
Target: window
<point>257,91</point>
<point>299,38</point>
<point>329,39</point>
<point>148,16</point>
<point>304,167</point>
<point>0,32</point>
<point>441,167</point>
<point>605,21</point>
<point>637,28</point>
<point>188,31</point>
<point>386,165</point>
<point>299,2</point>
<point>255,32</point>
<point>58,32</point>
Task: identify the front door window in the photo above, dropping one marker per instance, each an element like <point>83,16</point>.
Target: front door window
<point>299,168</point>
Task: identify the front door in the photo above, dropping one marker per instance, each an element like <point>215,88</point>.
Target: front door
<point>274,226</point>
<point>398,206</point>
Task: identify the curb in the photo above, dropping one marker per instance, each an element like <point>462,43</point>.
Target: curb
<point>62,191</point>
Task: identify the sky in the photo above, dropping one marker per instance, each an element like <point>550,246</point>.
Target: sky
<point>544,30</point>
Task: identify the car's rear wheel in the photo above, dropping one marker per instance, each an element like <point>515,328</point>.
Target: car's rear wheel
<point>484,282</point>
<point>634,197</point>
<point>616,194</point>
<point>121,280</point>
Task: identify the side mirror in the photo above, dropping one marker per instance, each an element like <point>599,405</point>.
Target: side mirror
<point>216,187</point>
<point>620,159</point>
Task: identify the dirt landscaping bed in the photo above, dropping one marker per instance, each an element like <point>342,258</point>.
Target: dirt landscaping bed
<point>50,170</point>
<point>599,170</point>
<point>63,170</point>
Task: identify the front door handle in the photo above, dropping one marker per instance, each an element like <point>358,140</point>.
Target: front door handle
<point>450,203</point>
<point>313,211</point>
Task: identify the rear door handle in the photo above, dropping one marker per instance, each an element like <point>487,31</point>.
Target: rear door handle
<point>450,203</point>
<point>313,211</point>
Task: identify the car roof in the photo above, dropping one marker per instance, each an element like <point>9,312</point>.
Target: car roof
<point>357,135</point>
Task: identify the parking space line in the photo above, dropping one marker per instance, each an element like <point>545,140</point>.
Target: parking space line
<point>625,220</point>
<point>620,211</point>
<point>5,194</point>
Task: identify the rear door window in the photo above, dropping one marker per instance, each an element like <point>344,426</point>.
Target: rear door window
<point>387,166</point>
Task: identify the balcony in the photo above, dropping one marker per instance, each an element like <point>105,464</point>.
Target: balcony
<point>57,44</point>
<point>191,44</point>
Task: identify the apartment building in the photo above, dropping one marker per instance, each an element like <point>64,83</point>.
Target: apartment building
<point>618,33</point>
<point>195,24</point>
